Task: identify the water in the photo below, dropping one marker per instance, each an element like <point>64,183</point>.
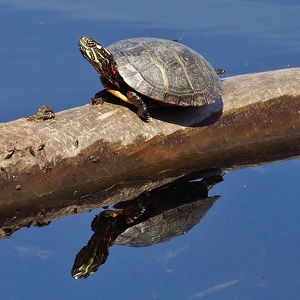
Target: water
<point>247,246</point>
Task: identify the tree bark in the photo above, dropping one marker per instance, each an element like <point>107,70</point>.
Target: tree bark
<point>94,148</point>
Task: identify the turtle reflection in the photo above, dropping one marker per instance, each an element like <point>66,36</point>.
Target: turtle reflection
<point>153,217</point>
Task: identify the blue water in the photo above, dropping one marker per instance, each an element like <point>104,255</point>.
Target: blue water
<point>247,246</point>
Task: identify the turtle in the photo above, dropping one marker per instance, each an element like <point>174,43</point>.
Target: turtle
<point>142,71</point>
<point>153,217</point>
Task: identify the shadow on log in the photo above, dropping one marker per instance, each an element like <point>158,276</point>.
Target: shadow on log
<point>79,157</point>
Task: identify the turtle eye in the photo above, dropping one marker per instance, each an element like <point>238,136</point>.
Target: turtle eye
<point>91,43</point>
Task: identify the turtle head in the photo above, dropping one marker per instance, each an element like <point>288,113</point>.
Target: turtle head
<point>89,258</point>
<point>99,57</point>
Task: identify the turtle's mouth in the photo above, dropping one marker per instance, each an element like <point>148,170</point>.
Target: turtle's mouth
<point>87,42</point>
<point>82,45</point>
<point>83,52</point>
<point>87,52</point>
<point>85,45</point>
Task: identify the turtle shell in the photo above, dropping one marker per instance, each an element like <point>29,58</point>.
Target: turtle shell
<point>165,226</point>
<point>166,71</point>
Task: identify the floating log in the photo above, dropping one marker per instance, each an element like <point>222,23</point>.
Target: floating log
<point>92,149</point>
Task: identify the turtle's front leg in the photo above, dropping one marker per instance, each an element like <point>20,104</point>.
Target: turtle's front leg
<point>136,100</point>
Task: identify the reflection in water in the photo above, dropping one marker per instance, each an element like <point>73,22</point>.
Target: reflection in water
<point>153,217</point>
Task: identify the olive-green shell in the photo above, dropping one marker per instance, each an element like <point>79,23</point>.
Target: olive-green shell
<point>166,71</point>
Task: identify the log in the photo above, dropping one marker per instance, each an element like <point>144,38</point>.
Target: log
<point>86,152</point>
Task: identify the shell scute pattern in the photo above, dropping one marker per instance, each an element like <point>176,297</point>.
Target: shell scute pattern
<point>166,71</point>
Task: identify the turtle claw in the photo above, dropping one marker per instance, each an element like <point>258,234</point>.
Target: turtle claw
<point>96,100</point>
<point>143,114</point>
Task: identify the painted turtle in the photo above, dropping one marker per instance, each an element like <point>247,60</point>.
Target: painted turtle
<point>153,217</point>
<point>140,70</point>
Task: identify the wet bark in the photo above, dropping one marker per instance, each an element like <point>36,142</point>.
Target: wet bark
<point>85,152</point>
